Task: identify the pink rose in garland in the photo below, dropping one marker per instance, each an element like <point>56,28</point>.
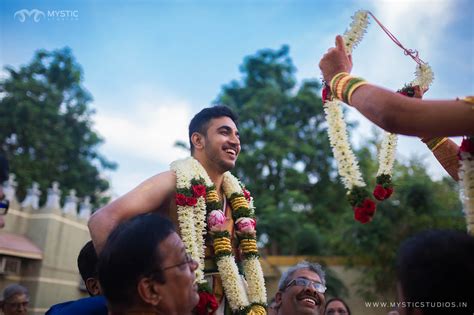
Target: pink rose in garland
<point>216,220</point>
<point>199,191</point>
<point>246,225</point>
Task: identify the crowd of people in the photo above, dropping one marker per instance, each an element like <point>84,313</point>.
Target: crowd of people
<point>137,263</point>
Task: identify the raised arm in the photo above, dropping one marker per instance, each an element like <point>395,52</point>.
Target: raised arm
<point>397,113</point>
<point>147,197</point>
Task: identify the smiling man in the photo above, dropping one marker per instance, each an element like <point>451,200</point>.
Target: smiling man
<point>215,146</point>
<point>301,290</point>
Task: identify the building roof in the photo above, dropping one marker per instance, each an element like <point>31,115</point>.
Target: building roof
<point>19,246</point>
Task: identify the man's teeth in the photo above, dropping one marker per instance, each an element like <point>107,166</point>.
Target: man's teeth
<point>310,301</point>
<point>230,151</point>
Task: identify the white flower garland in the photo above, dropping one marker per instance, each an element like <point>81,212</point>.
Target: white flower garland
<point>348,167</point>
<point>466,180</point>
<point>192,221</point>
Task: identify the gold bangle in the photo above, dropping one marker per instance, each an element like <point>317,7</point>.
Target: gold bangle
<point>355,87</point>
<point>340,86</point>
<point>443,140</point>
<point>335,77</point>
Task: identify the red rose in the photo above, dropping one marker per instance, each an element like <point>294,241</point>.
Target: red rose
<point>191,201</point>
<point>199,191</point>
<point>467,145</point>
<point>180,200</point>
<point>207,304</point>
<point>364,212</point>
<point>388,192</point>
<point>369,206</point>
<point>246,194</point>
<point>380,193</point>
<point>326,92</point>
<point>361,215</point>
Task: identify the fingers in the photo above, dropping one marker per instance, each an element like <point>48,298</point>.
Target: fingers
<point>340,43</point>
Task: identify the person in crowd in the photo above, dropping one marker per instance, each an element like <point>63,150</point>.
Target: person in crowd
<point>144,269</point>
<point>14,300</point>
<point>96,304</point>
<point>435,273</point>
<point>301,290</point>
<point>337,306</point>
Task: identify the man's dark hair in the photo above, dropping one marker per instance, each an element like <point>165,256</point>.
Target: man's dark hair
<point>87,261</point>
<point>130,253</point>
<point>437,266</point>
<point>200,121</point>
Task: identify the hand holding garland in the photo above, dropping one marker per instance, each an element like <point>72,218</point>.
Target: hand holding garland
<point>396,113</point>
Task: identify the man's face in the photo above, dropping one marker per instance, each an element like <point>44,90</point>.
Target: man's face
<point>179,292</point>
<point>222,143</point>
<point>16,305</point>
<point>297,299</point>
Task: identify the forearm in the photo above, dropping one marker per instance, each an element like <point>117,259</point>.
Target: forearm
<point>410,116</point>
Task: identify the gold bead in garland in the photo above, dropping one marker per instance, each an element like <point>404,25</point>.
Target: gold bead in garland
<point>239,202</point>
<point>257,310</point>
<point>212,196</point>
<point>249,246</point>
<point>222,246</point>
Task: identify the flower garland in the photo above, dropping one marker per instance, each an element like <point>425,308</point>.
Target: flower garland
<point>466,176</point>
<point>348,168</point>
<point>196,196</point>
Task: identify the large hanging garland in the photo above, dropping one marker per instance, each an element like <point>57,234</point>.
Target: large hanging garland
<point>196,199</point>
<point>466,175</point>
<point>364,207</point>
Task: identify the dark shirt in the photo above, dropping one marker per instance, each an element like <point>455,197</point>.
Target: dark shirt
<point>3,169</point>
<point>96,305</point>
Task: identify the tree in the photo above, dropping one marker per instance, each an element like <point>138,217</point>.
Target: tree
<point>46,127</point>
<point>286,159</point>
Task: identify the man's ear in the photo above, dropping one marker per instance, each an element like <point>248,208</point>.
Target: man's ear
<point>93,286</point>
<point>149,291</point>
<point>198,140</point>
<point>278,298</point>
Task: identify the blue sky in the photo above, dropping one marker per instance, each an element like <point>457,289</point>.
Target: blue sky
<point>151,65</point>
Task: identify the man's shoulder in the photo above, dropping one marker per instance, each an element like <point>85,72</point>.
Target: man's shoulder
<point>96,305</point>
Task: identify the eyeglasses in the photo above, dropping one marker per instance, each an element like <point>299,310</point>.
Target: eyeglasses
<point>4,204</point>
<point>333,312</point>
<point>303,282</point>
<point>188,259</point>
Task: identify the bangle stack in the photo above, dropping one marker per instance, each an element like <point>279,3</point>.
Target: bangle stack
<point>343,86</point>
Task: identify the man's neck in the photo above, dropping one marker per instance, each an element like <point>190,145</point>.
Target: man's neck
<point>216,175</point>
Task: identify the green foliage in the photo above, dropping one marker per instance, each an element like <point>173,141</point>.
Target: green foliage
<point>46,129</point>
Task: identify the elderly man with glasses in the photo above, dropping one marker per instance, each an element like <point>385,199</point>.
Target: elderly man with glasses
<point>301,290</point>
<point>144,269</point>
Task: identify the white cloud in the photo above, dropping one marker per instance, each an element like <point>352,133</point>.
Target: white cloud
<point>146,130</point>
